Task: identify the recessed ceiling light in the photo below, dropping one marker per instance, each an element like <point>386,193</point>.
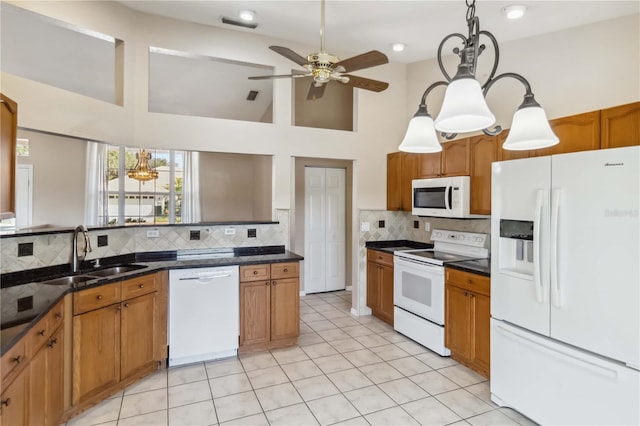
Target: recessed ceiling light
<point>515,11</point>
<point>247,15</point>
<point>398,47</point>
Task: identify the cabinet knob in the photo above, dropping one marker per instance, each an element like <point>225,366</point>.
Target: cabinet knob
<point>267,283</point>
<point>469,280</point>
<point>53,342</point>
<point>99,297</point>
<point>255,272</point>
<point>141,286</point>
<point>466,293</point>
<point>126,305</point>
<point>41,332</point>
<point>6,402</point>
<point>118,307</point>
<point>274,282</point>
<point>286,270</point>
<point>17,359</point>
<point>57,315</point>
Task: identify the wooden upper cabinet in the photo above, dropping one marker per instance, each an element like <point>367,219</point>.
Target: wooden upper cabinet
<point>394,179</point>
<point>8,140</point>
<point>429,165</point>
<point>577,133</point>
<point>455,158</point>
<point>620,126</point>
<point>409,172</point>
<point>483,151</point>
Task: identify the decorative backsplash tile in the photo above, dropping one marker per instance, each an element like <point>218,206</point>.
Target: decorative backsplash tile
<point>55,249</point>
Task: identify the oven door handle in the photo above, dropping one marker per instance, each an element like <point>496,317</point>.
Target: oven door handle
<point>400,261</point>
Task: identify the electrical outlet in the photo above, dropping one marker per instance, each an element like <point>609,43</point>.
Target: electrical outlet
<point>381,224</point>
<point>416,224</point>
<point>194,235</point>
<point>427,226</point>
<point>251,233</point>
<point>365,226</point>
<point>229,231</point>
<point>153,233</point>
<point>103,240</point>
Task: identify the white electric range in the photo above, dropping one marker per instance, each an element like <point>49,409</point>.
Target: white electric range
<point>418,293</point>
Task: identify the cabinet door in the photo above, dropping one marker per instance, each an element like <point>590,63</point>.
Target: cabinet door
<point>13,401</point>
<point>255,312</point>
<point>455,158</point>
<point>96,351</point>
<point>373,286</point>
<point>137,334</point>
<point>457,321</point>
<point>394,181</point>
<point>37,387</point>
<point>429,165</point>
<point>285,308</point>
<point>483,151</point>
<point>409,172</point>
<point>55,377</point>
<point>577,133</point>
<point>480,335</point>
<point>385,311</point>
<point>620,126</point>
<point>8,140</point>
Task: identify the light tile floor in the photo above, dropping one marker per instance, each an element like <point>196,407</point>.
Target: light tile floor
<point>345,370</point>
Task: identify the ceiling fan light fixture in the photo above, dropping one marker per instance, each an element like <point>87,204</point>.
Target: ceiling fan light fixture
<point>514,11</point>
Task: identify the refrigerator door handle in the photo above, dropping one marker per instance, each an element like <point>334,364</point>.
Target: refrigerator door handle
<point>556,293</point>
<point>537,264</point>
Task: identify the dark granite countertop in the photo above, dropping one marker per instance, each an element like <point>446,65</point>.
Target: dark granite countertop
<point>479,266</point>
<point>28,283</point>
<point>389,246</point>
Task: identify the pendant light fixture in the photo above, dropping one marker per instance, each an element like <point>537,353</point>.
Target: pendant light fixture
<point>464,108</point>
<point>142,171</point>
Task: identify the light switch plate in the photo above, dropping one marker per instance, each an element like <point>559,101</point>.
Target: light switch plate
<point>229,231</point>
<point>365,226</point>
<point>153,233</point>
<point>427,226</point>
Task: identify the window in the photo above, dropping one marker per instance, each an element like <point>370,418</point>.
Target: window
<point>153,202</point>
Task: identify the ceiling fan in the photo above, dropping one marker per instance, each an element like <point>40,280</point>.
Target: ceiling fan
<point>324,67</point>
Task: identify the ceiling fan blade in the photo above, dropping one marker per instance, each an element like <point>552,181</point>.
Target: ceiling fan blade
<point>315,92</point>
<point>365,60</point>
<point>366,83</point>
<point>268,77</point>
<point>290,54</point>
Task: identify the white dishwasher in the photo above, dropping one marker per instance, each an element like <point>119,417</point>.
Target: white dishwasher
<point>204,314</point>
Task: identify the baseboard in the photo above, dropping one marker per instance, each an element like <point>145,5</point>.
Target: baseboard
<point>302,293</point>
<point>347,288</point>
<point>354,312</point>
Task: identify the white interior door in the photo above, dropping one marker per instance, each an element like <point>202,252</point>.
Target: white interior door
<point>24,195</point>
<point>324,229</point>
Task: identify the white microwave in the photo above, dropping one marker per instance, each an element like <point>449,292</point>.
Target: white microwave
<point>442,197</point>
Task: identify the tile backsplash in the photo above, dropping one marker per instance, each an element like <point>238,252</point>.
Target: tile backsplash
<point>55,249</point>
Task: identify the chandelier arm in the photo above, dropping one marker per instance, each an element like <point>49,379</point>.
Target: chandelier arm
<point>448,136</point>
<point>423,100</point>
<point>492,132</point>
<point>444,40</point>
<point>514,75</point>
<point>496,58</point>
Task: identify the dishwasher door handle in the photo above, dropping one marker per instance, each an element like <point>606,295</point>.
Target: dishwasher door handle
<point>204,278</point>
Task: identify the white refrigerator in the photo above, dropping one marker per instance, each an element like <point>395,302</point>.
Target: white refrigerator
<point>565,287</point>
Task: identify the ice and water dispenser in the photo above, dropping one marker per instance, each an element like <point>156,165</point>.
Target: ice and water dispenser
<point>516,246</point>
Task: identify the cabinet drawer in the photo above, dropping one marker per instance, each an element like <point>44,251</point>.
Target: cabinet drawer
<point>139,286</point>
<point>380,257</point>
<point>255,272</point>
<point>14,359</point>
<point>94,298</point>
<point>468,281</point>
<point>285,270</point>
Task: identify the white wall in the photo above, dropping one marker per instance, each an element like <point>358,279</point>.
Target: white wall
<point>573,71</point>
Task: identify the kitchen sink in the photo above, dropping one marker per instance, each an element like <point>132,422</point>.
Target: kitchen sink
<point>115,270</point>
<point>70,280</point>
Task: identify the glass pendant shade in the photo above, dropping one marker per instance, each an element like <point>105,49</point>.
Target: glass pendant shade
<point>421,136</point>
<point>530,129</point>
<point>464,108</point>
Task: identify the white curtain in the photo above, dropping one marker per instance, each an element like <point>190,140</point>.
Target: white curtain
<point>95,200</point>
<point>191,188</point>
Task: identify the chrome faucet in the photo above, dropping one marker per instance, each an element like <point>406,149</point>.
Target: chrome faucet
<point>75,258</point>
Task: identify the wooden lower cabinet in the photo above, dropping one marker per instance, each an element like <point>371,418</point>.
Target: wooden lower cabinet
<point>467,319</point>
<point>46,389</point>
<point>269,308</point>
<point>96,352</point>
<point>380,284</point>
<point>14,401</point>
<point>116,344</point>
